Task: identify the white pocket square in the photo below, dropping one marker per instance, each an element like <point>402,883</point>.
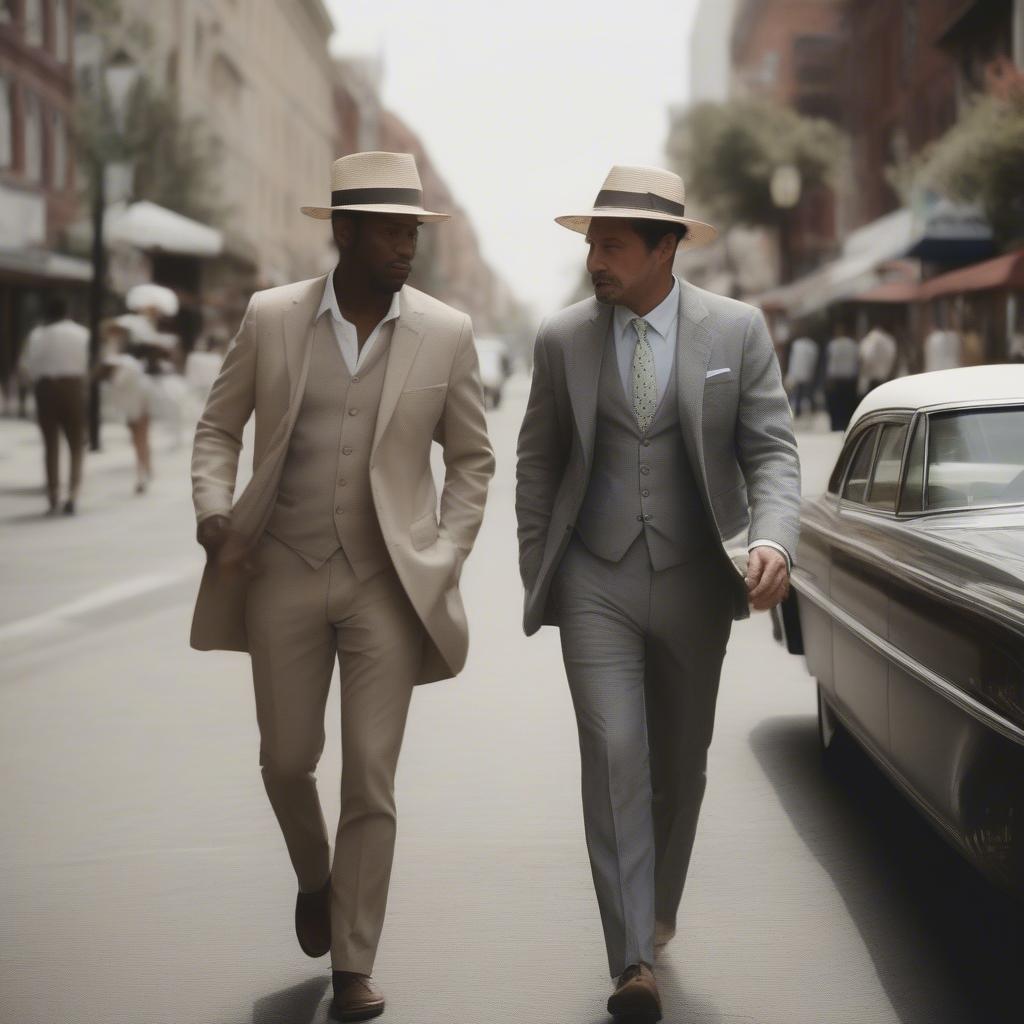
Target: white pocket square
<point>715,373</point>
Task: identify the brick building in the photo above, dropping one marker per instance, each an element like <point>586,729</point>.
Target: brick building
<point>37,173</point>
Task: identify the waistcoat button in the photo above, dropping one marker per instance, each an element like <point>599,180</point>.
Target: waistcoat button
<point>645,470</point>
<point>646,493</point>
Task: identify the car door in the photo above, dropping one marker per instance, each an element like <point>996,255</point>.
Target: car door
<point>860,579</point>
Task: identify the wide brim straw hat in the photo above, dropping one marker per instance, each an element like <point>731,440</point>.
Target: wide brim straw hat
<point>643,193</point>
<point>375,183</point>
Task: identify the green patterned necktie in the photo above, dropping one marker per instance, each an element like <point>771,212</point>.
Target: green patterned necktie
<point>645,382</point>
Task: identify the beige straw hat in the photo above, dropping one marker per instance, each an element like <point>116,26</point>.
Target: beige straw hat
<point>646,193</point>
<point>375,183</point>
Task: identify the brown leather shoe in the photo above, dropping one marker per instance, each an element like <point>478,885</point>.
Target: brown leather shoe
<point>313,920</point>
<point>636,995</point>
<point>355,997</point>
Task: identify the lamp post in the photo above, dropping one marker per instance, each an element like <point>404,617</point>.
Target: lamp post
<point>785,187</point>
<point>115,83</point>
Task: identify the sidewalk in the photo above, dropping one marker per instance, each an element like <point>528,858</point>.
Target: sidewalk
<point>115,538</point>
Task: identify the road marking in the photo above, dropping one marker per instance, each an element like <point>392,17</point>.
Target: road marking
<point>102,598</point>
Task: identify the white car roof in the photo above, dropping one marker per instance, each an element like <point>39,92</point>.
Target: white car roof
<point>968,385</point>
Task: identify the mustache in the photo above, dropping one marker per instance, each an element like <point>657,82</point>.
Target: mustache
<point>596,279</point>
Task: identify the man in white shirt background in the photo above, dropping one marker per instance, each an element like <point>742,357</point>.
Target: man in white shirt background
<point>842,368</point>
<point>878,353</point>
<point>801,372</point>
<point>55,360</point>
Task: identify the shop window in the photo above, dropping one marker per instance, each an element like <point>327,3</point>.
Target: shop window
<point>6,123</point>
<point>33,127</point>
<point>34,34</point>
<point>59,170</point>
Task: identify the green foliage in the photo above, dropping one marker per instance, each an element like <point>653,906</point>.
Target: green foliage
<point>728,152</point>
<point>173,157</point>
<point>981,160</point>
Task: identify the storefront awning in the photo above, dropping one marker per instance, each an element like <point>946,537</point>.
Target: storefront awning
<point>1002,272</point>
<point>154,228</point>
<point>43,264</point>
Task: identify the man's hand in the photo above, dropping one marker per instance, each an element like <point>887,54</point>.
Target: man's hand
<point>767,578</point>
<point>211,534</point>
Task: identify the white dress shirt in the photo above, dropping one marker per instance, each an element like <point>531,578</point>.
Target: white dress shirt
<point>662,334</point>
<point>803,361</point>
<point>59,349</point>
<point>345,332</point>
<point>842,359</point>
<point>878,353</point>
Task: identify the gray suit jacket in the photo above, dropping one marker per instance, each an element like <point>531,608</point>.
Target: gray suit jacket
<point>737,428</point>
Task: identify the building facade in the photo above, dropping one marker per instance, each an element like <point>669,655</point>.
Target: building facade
<point>37,172</point>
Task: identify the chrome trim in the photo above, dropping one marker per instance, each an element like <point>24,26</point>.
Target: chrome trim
<point>1008,615</point>
<point>925,675</point>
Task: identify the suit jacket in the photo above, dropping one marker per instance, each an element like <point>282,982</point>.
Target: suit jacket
<point>431,391</point>
<point>736,424</point>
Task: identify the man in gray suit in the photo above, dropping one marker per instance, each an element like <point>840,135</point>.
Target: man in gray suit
<point>657,431</point>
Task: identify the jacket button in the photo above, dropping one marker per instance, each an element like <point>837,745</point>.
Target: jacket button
<point>639,518</point>
<point>342,481</point>
<point>355,380</point>
<point>346,450</point>
<point>646,443</point>
<point>646,493</point>
<point>645,470</point>
<point>353,412</point>
<point>647,517</point>
<point>340,510</point>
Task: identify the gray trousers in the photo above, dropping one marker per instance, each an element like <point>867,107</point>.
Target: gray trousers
<point>643,652</point>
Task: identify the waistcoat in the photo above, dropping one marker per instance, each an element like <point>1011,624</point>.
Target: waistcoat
<point>324,500</point>
<point>641,483</point>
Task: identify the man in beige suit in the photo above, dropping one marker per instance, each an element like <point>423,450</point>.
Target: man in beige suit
<point>335,550</point>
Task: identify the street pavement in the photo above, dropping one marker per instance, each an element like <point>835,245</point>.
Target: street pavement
<point>143,878</point>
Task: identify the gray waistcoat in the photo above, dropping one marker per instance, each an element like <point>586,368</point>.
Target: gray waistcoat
<point>641,483</point>
<point>324,500</point>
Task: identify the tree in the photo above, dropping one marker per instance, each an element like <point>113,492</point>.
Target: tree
<point>981,160</point>
<point>728,152</point>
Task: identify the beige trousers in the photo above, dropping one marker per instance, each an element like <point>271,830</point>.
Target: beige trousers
<point>299,620</point>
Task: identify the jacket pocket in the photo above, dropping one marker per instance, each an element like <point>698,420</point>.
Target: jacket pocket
<point>423,532</point>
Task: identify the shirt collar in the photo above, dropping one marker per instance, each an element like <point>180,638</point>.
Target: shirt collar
<point>660,318</point>
<point>329,304</point>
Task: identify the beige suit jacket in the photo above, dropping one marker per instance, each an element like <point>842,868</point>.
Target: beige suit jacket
<point>431,392</point>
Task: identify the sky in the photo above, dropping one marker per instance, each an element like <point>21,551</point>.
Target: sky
<point>524,107</point>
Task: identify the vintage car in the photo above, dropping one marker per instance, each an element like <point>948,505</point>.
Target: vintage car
<point>908,602</point>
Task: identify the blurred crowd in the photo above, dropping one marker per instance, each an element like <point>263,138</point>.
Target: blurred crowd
<point>836,374</point>
<point>142,375</point>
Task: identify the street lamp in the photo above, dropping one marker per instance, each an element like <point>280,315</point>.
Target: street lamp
<point>115,83</point>
<point>785,187</point>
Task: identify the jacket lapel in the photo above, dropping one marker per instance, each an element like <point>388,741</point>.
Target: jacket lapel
<point>693,353</point>
<point>405,343</point>
<point>586,350</point>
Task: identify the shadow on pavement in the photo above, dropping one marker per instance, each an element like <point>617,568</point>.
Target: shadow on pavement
<point>297,1004</point>
<point>938,933</point>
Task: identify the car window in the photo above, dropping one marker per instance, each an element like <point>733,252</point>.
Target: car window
<point>857,479</point>
<point>913,485</point>
<point>885,474</point>
<point>975,458</point>
<point>841,463</point>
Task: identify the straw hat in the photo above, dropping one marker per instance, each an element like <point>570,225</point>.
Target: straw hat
<point>375,183</point>
<point>152,296</point>
<point>645,193</point>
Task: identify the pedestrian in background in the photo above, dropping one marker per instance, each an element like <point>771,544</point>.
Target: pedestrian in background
<point>129,388</point>
<point>56,361</point>
<point>942,350</point>
<point>877,354</point>
<point>801,372</point>
<point>842,370</point>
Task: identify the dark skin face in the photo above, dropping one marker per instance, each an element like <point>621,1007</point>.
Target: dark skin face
<point>623,270</point>
<point>375,254</point>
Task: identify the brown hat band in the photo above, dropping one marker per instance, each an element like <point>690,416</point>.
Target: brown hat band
<point>638,201</point>
<point>377,197</point>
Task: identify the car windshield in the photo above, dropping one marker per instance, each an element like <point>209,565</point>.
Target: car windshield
<point>975,458</point>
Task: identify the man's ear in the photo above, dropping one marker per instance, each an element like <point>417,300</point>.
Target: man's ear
<point>667,248</point>
<point>344,231</point>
